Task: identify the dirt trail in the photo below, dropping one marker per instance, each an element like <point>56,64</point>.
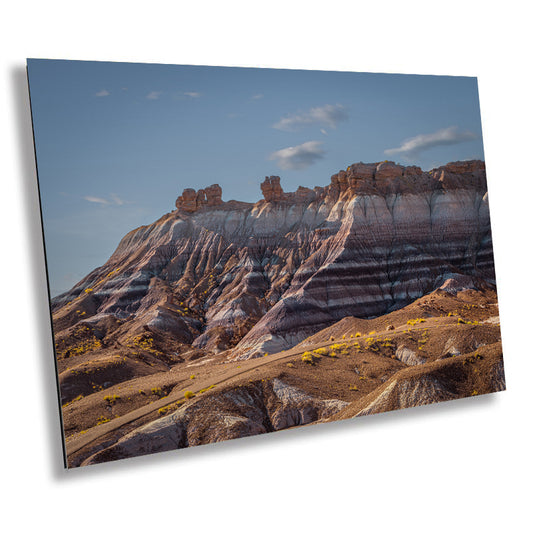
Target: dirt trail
<point>235,369</point>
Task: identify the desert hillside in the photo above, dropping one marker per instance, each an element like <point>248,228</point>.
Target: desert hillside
<point>225,319</point>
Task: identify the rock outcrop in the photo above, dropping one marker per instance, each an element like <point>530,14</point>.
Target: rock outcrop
<point>255,278</point>
<point>258,408</point>
<point>271,189</point>
<point>439,381</point>
<point>190,200</point>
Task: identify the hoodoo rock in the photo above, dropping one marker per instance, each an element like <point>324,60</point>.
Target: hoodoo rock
<point>213,195</point>
<point>190,200</point>
<point>271,189</point>
<point>187,201</point>
<point>255,278</point>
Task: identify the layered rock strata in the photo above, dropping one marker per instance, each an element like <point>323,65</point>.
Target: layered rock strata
<point>258,408</point>
<point>261,277</point>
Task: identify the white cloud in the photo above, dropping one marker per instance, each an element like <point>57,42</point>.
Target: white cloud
<point>103,92</point>
<point>411,147</point>
<point>298,157</point>
<point>328,115</point>
<point>154,95</point>
<point>323,131</point>
<point>96,200</point>
<point>103,201</point>
<point>192,94</point>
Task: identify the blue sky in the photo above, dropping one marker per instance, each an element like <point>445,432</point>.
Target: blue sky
<point>116,143</point>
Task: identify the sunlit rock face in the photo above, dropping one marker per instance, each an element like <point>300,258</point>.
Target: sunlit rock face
<point>255,278</point>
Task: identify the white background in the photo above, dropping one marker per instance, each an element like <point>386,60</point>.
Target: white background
<point>464,466</point>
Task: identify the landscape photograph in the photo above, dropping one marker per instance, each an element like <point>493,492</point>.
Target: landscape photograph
<point>233,252</point>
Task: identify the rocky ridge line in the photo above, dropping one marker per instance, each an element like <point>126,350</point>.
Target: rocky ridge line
<point>381,178</point>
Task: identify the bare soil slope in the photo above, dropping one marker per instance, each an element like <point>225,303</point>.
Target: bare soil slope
<point>443,346</point>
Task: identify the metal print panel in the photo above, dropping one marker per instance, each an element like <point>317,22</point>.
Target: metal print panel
<point>195,300</point>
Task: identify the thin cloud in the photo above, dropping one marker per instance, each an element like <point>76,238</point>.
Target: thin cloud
<point>298,157</point>
<point>154,95</point>
<point>103,92</point>
<point>104,201</point>
<point>96,200</point>
<point>117,200</point>
<point>325,116</point>
<point>323,131</point>
<point>412,147</point>
<point>257,96</point>
<point>192,94</point>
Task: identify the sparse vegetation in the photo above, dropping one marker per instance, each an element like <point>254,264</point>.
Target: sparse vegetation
<point>171,407</point>
<point>415,321</point>
<point>463,321</point>
<point>84,346</point>
<point>338,349</point>
<point>74,400</point>
<point>372,345</point>
<point>101,420</point>
<point>309,358</point>
<point>188,395</point>
<point>201,391</point>
<point>111,399</point>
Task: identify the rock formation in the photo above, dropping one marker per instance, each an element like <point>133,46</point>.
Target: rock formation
<point>237,413</point>
<point>261,277</point>
<point>271,189</point>
<point>190,200</point>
